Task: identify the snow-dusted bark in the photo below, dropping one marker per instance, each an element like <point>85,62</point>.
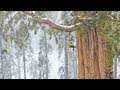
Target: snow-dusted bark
<point>60,27</point>
<point>55,25</point>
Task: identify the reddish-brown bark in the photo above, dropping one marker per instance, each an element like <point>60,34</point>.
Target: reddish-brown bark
<point>81,70</point>
<point>91,55</point>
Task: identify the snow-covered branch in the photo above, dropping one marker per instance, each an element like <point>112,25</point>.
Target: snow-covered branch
<point>60,27</point>
<point>56,26</point>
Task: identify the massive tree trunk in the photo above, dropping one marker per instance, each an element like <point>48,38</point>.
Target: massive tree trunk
<point>102,50</point>
<point>91,54</point>
<point>81,70</point>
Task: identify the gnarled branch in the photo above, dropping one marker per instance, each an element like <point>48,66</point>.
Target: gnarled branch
<point>60,27</point>
<point>56,26</point>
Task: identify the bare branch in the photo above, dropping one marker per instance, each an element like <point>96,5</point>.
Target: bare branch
<point>60,27</point>
<point>56,26</point>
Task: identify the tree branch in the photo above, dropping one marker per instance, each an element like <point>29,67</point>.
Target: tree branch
<point>60,27</point>
<point>56,26</point>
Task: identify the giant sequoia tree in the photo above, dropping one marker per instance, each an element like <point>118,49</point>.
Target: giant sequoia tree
<point>97,37</point>
<point>91,46</point>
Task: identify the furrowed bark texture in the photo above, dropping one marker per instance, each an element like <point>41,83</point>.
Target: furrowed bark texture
<point>91,54</point>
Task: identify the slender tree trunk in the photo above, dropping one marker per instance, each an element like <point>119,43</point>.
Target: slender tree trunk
<point>10,70</point>
<point>18,67</point>
<point>24,63</point>
<point>40,76</point>
<point>66,56</point>
<point>2,71</point>
<point>72,64</point>
<point>46,55</point>
<point>115,67</point>
<point>75,66</point>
